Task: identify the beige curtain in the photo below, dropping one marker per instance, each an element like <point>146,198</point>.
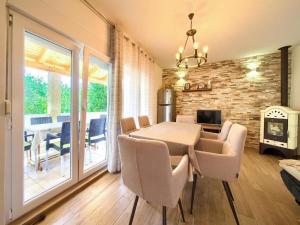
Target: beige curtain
<point>130,90</point>
<point>115,102</point>
<point>136,86</point>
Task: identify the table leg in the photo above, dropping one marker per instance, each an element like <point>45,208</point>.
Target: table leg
<point>35,160</point>
<point>39,158</point>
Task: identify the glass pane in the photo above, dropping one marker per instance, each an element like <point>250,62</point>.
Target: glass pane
<point>96,117</point>
<point>275,128</point>
<point>47,107</point>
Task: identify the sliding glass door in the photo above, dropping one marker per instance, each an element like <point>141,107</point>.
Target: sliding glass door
<point>44,96</point>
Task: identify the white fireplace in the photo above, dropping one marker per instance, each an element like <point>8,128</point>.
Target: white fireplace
<point>279,130</point>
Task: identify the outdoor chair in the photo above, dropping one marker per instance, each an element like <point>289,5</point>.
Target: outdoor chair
<point>27,141</point>
<point>60,142</point>
<point>64,118</point>
<point>96,133</point>
<point>40,120</point>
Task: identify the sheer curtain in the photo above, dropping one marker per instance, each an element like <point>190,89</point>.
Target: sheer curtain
<point>136,89</point>
<point>115,102</point>
<point>130,89</point>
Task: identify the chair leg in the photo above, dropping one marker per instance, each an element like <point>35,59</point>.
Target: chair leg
<point>228,188</point>
<point>90,154</point>
<point>164,215</point>
<point>133,209</point>
<point>193,191</point>
<point>230,200</point>
<point>62,166</point>
<point>181,210</point>
<point>47,160</point>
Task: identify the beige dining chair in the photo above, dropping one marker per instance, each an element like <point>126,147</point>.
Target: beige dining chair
<point>127,125</point>
<point>185,119</point>
<point>222,161</point>
<point>144,121</point>
<point>146,170</point>
<point>208,139</point>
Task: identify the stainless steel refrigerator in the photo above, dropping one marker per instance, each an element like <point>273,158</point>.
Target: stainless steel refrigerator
<point>166,109</point>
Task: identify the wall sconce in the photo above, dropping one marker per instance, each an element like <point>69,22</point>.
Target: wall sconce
<point>253,74</point>
<point>181,74</point>
<point>181,82</point>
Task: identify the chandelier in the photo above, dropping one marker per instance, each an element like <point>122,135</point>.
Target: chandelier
<point>198,58</point>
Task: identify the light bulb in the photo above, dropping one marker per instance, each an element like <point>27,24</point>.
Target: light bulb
<point>181,50</point>
<point>186,60</point>
<point>195,45</point>
<point>200,54</point>
<point>177,56</point>
<point>205,49</point>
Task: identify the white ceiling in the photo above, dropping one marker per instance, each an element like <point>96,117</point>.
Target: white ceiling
<point>231,28</point>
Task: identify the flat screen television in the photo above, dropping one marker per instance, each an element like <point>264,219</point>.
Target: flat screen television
<point>209,116</point>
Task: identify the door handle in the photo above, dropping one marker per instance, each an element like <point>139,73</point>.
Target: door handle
<point>7,107</point>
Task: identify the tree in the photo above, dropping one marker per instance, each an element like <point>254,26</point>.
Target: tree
<point>65,98</point>
<point>35,94</point>
<point>96,98</point>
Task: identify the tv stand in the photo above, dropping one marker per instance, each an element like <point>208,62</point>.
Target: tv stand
<point>215,128</point>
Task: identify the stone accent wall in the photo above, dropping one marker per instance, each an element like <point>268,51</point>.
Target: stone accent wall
<point>238,96</point>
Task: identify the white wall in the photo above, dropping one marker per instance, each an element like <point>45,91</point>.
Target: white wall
<point>70,17</point>
<point>295,90</point>
<point>2,96</point>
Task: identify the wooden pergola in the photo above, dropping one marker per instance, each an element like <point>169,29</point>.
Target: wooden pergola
<point>43,55</point>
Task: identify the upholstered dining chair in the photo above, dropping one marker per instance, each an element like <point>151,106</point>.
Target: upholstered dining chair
<point>222,161</point>
<point>144,121</point>
<point>208,139</point>
<point>147,172</point>
<point>222,136</point>
<point>127,125</point>
<point>185,119</point>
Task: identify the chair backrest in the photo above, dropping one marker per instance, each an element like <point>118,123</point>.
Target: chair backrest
<point>40,120</point>
<point>127,125</point>
<point>104,116</point>
<point>235,144</point>
<point>64,118</point>
<point>65,137</point>
<point>144,121</point>
<point>185,119</point>
<point>146,168</point>
<point>97,127</point>
<point>222,136</point>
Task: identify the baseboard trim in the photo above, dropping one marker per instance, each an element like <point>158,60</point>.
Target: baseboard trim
<point>39,213</point>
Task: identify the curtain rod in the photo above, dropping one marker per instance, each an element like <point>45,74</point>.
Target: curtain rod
<point>94,10</point>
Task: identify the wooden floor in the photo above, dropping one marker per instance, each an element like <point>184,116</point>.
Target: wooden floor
<point>260,197</point>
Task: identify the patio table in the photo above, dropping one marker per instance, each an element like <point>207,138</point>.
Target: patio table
<point>176,136</point>
<point>40,133</point>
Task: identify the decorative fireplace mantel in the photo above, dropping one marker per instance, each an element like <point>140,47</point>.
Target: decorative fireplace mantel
<point>279,130</point>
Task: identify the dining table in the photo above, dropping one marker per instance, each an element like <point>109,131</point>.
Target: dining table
<point>181,138</point>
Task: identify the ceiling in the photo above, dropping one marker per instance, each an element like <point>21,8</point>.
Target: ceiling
<point>232,28</point>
